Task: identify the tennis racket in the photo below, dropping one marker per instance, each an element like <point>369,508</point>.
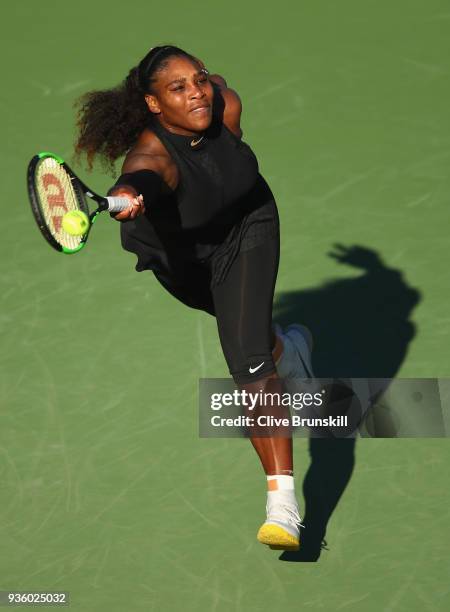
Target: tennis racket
<point>55,190</point>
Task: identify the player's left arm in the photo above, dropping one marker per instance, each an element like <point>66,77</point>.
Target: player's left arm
<point>232,104</point>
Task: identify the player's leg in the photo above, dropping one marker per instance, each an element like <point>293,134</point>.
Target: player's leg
<point>193,289</point>
<point>243,305</point>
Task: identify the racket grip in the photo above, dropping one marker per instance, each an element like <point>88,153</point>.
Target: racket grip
<point>116,204</point>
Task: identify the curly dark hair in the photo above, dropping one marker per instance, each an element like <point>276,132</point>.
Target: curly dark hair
<point>110,121</point>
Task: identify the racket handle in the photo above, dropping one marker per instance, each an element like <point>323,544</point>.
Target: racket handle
<point>117,204</point>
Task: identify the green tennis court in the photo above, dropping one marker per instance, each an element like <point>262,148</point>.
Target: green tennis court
<point>107,491</point>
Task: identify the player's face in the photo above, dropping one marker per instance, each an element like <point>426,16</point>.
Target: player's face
<point>183,97</point>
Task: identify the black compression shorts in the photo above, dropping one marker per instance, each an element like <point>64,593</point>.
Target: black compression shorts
<point>242,305</point>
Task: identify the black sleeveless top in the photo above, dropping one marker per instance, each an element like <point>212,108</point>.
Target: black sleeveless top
<point>221,206</point>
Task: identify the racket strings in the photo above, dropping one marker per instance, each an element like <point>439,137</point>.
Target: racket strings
<point>56,198</point>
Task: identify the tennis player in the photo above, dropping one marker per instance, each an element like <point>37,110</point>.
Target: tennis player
<point>204,220</point>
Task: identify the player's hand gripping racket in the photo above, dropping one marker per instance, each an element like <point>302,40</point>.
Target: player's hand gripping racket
<point>54,190</point>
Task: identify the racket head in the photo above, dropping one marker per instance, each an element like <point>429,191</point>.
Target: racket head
<point>55,190</point>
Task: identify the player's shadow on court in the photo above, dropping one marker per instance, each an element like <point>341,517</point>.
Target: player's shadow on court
<point>361,328</point>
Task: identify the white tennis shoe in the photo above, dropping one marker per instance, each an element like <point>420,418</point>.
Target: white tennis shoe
<point>295,362</point>
<point>281,530</point>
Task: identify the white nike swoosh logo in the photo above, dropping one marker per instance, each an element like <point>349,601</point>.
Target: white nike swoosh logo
<point>253,370</point>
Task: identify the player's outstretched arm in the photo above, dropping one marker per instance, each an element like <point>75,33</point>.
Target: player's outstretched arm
<point>141,181</point>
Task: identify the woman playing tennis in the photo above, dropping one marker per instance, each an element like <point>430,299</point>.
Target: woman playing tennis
<point>204,220</point>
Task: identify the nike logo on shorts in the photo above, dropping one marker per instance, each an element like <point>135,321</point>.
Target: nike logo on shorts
<point>253,370</point>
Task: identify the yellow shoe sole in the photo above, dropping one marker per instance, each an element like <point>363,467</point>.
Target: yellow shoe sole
<point>277,538</point>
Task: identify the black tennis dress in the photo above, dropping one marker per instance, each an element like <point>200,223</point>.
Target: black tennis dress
<point>220,223</point>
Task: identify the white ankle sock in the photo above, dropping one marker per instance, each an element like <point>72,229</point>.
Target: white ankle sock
<point>278,482</point>
<point>281,489</point>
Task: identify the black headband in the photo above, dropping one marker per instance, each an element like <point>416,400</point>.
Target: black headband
<point>148,62</point>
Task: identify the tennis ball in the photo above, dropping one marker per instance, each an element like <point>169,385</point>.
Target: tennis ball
<point>75,222</point>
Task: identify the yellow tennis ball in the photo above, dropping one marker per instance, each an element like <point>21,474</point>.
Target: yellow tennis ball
<point>75,223</point>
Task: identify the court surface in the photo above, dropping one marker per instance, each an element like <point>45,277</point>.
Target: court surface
<point>106,489</point>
